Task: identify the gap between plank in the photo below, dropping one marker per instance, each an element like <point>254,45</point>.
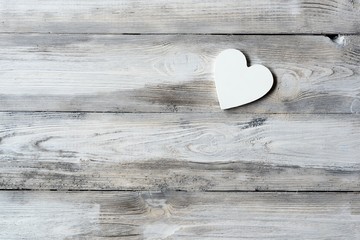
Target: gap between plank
<point>195,34</point>
<point>190,112</point>
<point>178,190</point>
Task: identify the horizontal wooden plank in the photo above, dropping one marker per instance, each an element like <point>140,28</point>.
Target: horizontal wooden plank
<point>218,151</point>
<point>178,215</point>
<point>185,16</point>
<point>314,74</point>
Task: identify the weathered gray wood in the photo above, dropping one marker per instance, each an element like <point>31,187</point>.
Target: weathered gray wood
<point>314,74</point>
<point>178,215</point>
<point>218,151</point>
<point>180,16</point>
<point>149,149</point>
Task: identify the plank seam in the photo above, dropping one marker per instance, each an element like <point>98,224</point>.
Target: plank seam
<point>182,112</point>
<point>190,34</point>
<point>179,190</point>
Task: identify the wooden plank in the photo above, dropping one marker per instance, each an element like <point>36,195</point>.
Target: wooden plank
<point>314,74</point>
<point>178,215</point>
<point>185,16</point>
<point>179,151</point>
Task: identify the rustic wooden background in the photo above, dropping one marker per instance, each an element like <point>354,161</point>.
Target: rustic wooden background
<point>110,125</point>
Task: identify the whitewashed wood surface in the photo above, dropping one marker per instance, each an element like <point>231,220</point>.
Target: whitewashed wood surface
<point>110,126</point>
<point>313,74</point>
<point>180,16</point>
<point>176,151</point>
<point>179,215</point>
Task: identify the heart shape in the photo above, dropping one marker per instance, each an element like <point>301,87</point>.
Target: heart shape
<point>236,83</point>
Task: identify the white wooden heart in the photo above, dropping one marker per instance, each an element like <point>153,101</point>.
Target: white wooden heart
<point>236,83</point>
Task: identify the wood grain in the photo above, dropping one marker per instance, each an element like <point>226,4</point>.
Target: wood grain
<point>185,16</point>
<point>179,215</point>
<point>179,151</point>
<point>119,96</point>
<point>110,73</point>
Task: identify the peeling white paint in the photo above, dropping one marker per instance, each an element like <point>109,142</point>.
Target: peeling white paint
<point>340,40</point>
<point>37,217</point>
<point>160,230</point>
